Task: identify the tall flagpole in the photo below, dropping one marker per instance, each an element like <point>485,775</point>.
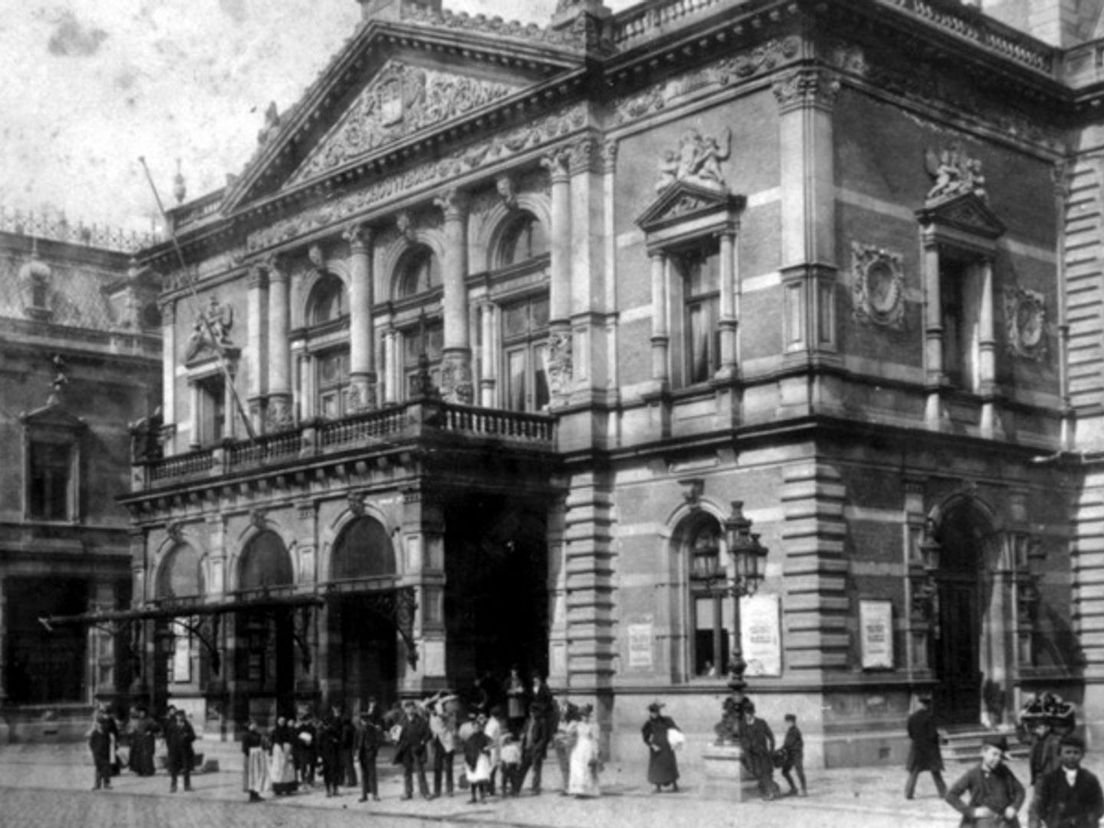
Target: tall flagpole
<point>208,329</point>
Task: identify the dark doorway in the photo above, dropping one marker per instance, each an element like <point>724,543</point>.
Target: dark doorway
<point>496,598</point>
<point>45,667</point>
<point>957,644</point>
<point>369,653</point>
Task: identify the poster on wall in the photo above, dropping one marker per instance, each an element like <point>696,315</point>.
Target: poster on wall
<point>761,635</point>
<point>641,635</point>
<point>876,634</point>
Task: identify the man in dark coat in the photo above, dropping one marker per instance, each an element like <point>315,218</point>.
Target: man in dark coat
<point>99,742</point>
<point>366,745</point>
<point>1044,758</point>
<point>179,736</point>
<point>535,737</point>
<point>410,751</point>
<point>996,795</point>
<point>924,755</point>
<point>1070,796</point>
<point>662,765</point>
<point>758,742</point>
<point>331,734</point>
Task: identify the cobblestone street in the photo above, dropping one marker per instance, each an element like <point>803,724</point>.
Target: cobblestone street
<point>47,787</point>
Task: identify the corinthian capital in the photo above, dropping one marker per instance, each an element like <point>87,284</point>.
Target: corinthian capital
<point>453,203</point>
<point>274,267</point>
<point>359,237</point>
<point>585,154</point>
<point>806,88</point>
<point>556,162</point>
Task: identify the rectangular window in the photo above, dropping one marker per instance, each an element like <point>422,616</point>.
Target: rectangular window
<point>51,470</point>
<point>525,354</point>
<point>960,322</point>
<point>699,272</point>
<point>427,336</point>
<point>212,410</point>
<point>333,379</point>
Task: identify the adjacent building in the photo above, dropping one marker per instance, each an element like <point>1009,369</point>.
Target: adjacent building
<point>467,367</point>
<point>80,358</point>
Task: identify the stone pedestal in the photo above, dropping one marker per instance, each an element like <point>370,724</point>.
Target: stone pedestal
<point>726,777</point>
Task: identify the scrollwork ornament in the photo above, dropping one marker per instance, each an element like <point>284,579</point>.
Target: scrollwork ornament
<point>1025,323</point>
<point>878,286</point>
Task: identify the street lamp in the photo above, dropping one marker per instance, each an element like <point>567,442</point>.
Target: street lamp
<point>747,555</point>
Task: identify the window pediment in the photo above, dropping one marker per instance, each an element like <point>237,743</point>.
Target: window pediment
<point>685,208</point>
<point>53,418</point>
<point>965,214</point>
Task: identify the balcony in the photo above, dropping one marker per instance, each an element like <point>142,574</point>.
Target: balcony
<point>394,428</point>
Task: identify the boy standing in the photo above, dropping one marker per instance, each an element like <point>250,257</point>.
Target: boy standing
<point>793,751</point>
<point>1070,796</point>
<point>99,742</point>
<point>996,795</point>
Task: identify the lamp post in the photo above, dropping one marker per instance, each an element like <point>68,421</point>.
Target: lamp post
<point>747,554</point>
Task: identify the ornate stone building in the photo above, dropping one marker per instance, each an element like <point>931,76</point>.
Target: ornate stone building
<point>79,357</point>
<point>466,367</point>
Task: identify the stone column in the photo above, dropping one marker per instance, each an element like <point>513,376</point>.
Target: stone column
<point>169,413</point>
<point>256,300</point>
<point>424,569</point>
<point>362,358</point>
<point>559,288</point>
<point>279,352</point>
<point>456,369</point>
<point>488,382</point>
<point>729,319</point>
<point>933,333</point>
<point>987,360</point>
<point>194,418</point>
<point>806,147</point>
<point>660,334</point>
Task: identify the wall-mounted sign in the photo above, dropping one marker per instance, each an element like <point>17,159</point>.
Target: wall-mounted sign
<point>641,639</point>
<point>876,634</point>
<point>761,635</point>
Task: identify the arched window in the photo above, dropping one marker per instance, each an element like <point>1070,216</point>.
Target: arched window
<point>181,574</point>
<point>523,239</point>
<point>711,610</point>
<point>363,550</point>
<point>417,272</point>
<point>265,563</point>
<point>327,300</point>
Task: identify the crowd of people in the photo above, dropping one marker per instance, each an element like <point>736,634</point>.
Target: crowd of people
<point>114,748</point>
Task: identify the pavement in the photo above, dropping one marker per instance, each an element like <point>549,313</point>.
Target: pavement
<point>48,786</point>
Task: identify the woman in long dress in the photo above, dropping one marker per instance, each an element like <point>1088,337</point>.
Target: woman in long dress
<point>282,763</point>
<point>583,775</point>
<point>143,735</point>
<point>256,779</point>
<point>662,765</point>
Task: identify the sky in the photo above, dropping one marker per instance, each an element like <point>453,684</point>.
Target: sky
<point>90,86</point>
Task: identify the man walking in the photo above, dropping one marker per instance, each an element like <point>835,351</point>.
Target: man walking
<point>179,736</point>
<point>1070,796</point>
<point>534,744</point>
<point>759,745</point>
<point>369,737</point>
<point>924,754</point>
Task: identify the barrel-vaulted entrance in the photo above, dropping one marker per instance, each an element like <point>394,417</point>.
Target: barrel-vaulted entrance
<point>972,646</point>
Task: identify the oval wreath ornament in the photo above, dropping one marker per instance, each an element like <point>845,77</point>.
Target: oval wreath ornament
<point>878,286</point>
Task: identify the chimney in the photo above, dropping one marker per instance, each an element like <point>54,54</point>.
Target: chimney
<point>392,9</point>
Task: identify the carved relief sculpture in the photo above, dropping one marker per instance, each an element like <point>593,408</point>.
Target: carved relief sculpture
<point>278,414</point>
<point>1025,323</point>
<point>878,286</point>
<point>953,173</point>
<point>456,380</point>
<point>211,329</point>
<point>697,161</point>
<point>559,362</point>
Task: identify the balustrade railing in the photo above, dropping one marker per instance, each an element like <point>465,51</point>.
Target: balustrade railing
<point>382,427</point>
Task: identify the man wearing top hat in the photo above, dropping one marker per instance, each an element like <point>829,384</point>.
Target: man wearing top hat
<point>1070,796</point>
<point>996,795</point>
<point>924,753</point>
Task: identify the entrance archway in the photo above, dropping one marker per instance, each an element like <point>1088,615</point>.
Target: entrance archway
<point>368,648</point>
<point>265,663</point>
<point>964,532</point>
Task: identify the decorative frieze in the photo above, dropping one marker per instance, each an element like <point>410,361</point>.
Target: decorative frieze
<point>400,100</point>
<point>878,286</point>
<point>497,148</point>
<point>1025,323</point>
<point>761,59</point>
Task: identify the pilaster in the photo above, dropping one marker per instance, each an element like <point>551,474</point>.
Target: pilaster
<point>168,367</point>
<point>424,569</point>
<point>456,357</point>
<point>559,287</point>
<point>587,187</point>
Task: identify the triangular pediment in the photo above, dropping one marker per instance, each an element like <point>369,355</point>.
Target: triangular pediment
<point>55,417</point>
<point>966,212</point>
<point>402,100</point>
<point>382,92</point>
<point>684,201</point>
